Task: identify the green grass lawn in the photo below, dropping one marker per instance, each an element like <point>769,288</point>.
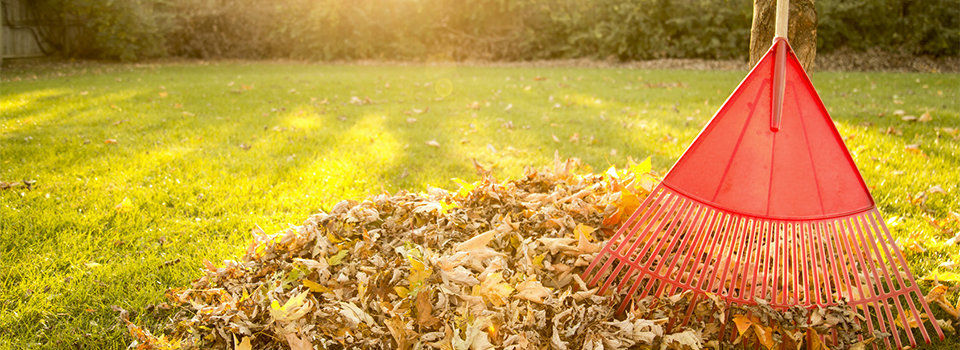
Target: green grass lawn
<point>204,153</point>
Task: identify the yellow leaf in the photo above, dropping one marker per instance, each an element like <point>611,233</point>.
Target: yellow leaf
<point>764,335</point>
<point>244,344</point>
<point>338,258</point>
<point>743,323</point>
<point>124,206</point>
<point>401,291</point>
<point>911,319</point>
<point>643,167</point>
<point>585,231</point>
<point>493,289</point>
<point>629,202</point>
<point>418,272</point>
<point>314,286</point>
<point>813,341</point>
<point>465,187</point>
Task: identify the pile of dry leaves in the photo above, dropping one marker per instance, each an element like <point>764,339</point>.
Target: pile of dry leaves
<point>494,264</point>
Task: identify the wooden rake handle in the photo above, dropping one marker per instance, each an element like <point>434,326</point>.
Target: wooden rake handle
<point>783,17</point>
<point>780,68</point>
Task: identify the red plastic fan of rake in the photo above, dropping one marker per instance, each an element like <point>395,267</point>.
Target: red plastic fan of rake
<point>767,207</point>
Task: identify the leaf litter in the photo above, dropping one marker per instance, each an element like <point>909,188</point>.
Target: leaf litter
<point>491,265</point>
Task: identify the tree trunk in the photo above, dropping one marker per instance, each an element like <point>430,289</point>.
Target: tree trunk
<point>802,32</point>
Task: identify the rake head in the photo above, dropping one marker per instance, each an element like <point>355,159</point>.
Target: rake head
<point>767,208</point>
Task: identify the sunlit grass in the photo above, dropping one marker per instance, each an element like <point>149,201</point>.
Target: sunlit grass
<point>205,153</point>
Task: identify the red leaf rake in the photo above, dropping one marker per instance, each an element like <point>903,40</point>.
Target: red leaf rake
<point>767,208</point>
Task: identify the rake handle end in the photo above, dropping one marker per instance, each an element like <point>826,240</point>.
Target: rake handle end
<point>782,19</point>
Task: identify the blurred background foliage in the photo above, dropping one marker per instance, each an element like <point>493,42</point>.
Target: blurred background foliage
<point>476,29</point>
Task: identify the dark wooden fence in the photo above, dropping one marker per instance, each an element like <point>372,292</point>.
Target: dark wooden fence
<point>20,35</point>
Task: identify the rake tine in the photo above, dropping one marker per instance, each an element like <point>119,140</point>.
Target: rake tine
<point>731,220</point>
<point>739,222</point>
<point>631,292</point>
<point>893,262</point>
<point>904,322</point>
<point>795,261</point>
<point>660,219</point>
<point>858,259</point>
<point>701,218</point>
<point>633,260</point>
<point>650,201</point>
<point>832,262</point>
<point>842,256</point>
<point>696,211</point>
<point>827,289</point>
<point>615,254</point>
<point>767,236</point>
<point>716,217</point>
<point>762,236</point>
<point>746,247</point>
<point>816,263</point>
<point>710,218</point>
<point>779,242</point>
<point>906,268</point>
<point>880,290</point>
<point>631,224</point>
<point>688,210</point>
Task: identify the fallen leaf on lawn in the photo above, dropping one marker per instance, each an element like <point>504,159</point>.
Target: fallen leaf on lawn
<point>124,206</point>
<point>584,240</point>
<point>109,141</point>
<point>532,290</point>
<point>559,244</point>
<point>686,340</point>
<point>298,343</point>
<point>925,117</point>
<point>28,184</point>
<point>433,143</point>
<point>475,337</point>
<point>292,310</point>
<point>911,319</point>
<point>398,330</point>
<point>937,294</point>
<point>355,314</point>
<point>936,189</point>
<point>915,148</point>
<point>314,286</point>
<point>493,289</point>
<point>244,344</point>
<point>477,242</point>
<point>425,310</point>
<point>813,341</point>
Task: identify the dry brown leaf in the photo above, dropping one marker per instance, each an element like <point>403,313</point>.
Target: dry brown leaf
<point>425,310</point>
<point>244,344</point>
<point>298,342</point>
<point>532,290</point>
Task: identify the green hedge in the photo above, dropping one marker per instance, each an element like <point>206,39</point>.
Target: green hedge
<point>479,29</point>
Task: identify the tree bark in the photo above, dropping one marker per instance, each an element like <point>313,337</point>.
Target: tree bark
<point>802,32</point>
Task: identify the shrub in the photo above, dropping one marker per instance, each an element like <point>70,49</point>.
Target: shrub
<point>479,29</point>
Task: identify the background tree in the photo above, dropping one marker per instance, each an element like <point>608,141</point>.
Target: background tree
<point>802,32</point>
